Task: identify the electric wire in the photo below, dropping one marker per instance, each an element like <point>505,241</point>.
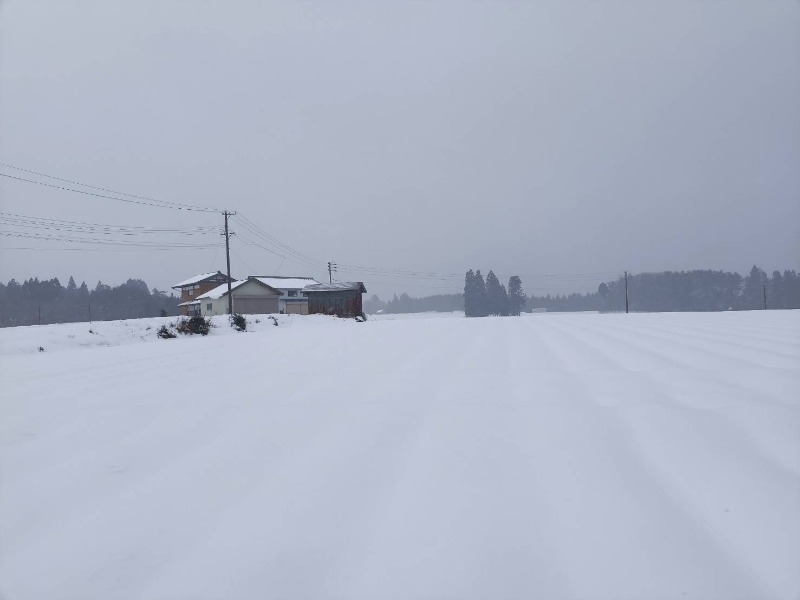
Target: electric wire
<point>26,220</point>
<point>79,240</point>
<point>285,249</point>
<point>252,270</point>
<point>145,199</point>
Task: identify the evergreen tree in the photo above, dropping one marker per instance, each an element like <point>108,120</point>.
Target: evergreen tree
<point>753,293</point>
<point>496,296</point>
<point>791,290</point>
<point>775,292</point>
<point>481,308</point>
<point>469,294</point>
<point>516,297</point>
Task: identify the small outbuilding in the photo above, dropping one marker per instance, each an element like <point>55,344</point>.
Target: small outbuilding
<point>250,297</point>
<point>342,299</point>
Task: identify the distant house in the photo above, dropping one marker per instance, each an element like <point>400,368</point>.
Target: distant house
<point>196,286</point>
<point>293,300</point>
<point>342,299</point>
<point>250,297</point>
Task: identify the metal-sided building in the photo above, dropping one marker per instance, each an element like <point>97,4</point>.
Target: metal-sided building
<point>342,299</point>
<point>293,300</point>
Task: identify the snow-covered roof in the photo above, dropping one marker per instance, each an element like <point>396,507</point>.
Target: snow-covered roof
<point>198,278</point>
<point>285,283</point>
<point>219,291</point>
<point>336,287</point>
<point>190,303</point>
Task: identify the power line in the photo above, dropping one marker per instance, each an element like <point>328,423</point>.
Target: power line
<point>79,240</point>
<point>13,218</point>
<point>143,199</point>
<point>122,232</point>
<point>105,249</point>
<point>272,240</point>
<point>250,242</point>
<point>282,255</point>
<point>252,270</point>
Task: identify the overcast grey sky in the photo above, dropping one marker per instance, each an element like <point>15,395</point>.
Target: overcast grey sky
<point>528,137</point>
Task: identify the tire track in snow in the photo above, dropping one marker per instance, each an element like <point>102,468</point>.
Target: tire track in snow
<point>692,389</point>
<point>759,326</point>
<point>699,343</point>
<point>321,482</point>
<point>651,498</point>
<point>743,499</point>
<point>622,346</point>
<point>90,440</point>
<point>451,498</point>
<point>643,356</point>
<point>725,387</point>
<point>180,460</point>
<point>722,334</point>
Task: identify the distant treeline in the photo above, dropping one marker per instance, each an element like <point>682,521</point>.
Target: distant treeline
<point>47,301</point>
<point>406,304</point>
<point>33,302</point>
<point>669,291</point>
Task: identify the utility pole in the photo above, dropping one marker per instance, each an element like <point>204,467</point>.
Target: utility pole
<point>765,296</point>
<point>331,269</point>
<point>626,292</point>
<point>227,214</point>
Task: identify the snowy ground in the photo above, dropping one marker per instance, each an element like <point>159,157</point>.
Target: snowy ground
<point>553,456</point>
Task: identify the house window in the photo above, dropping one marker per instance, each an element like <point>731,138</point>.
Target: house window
<point>209,306</point>
<point>191,290</point>
<point>292,293</point>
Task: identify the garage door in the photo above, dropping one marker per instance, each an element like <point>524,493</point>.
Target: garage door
<point>297,308</point>
<point>255,306</point>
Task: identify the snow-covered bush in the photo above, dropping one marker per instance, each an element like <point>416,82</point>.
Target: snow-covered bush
<point>165,334</point>
<point>238,322</point>
<point>194,325</point>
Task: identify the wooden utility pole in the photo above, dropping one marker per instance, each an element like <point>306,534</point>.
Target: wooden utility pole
<point>331,268</point>
<point>626,292</point>
<point>765,296</point>
<point>227,214</point>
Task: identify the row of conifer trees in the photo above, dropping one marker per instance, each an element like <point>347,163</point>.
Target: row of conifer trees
<point>35,302</point>
<point>490,297</point>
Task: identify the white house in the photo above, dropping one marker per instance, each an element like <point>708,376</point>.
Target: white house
<point>250,297</point>
<point>293,300</point>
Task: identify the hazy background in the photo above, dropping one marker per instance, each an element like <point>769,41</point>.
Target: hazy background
<point>544,139</point>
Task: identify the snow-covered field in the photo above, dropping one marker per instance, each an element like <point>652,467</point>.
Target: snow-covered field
<point>552,456</point>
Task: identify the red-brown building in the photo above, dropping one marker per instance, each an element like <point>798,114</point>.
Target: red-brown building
<point>199,285</point>
<point>342,299</point>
